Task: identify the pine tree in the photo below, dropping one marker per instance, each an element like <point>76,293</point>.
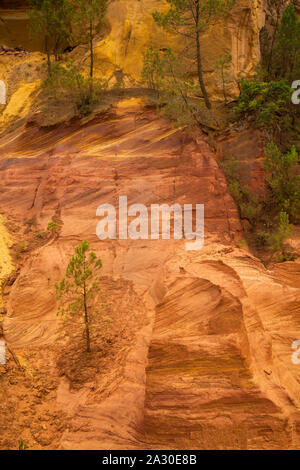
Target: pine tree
<point>281,46</point>
<point>163,72</point>
<point>89,19</point>
<point>77,291</point>
<point>53,19</point>
<point>287,47</point>
<point>283,179</point>
<point>191,18</point>
<point>222,64</point>
<point>269,33</point>
<point>277,238</point>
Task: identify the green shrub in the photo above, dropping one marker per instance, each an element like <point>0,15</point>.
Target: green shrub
<point>53,227</point>
<point>22,247</point>
<point>236,192</point>
<point>283,180</point>
<point>247,202</point>
<point>223,66</point>
<point>280,41</point>
<point>83,91</point>
<point>153,69</point>
<point>163,72</point>
<point>289,256</point>
<point>267,102</point>
<point>286,56</point>
<point>262,238</point>
<point>22,445</point>
<point>231,169</point>
<point>250,211</point>
<point>277,239</point>
<point>259,215</point>
<point>40,235</point>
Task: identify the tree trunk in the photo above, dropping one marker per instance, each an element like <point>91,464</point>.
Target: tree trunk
<point>278,15</point>
<point>87,327</point>
<point>47,47</point>
<point>191,110</point>
<point>47,43</point>
<point>92,58</point>
<point>86,317</point>
<point>224,86</point>
<point>199,60</point>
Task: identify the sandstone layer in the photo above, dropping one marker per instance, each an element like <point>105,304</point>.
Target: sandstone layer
<point>197,353</point>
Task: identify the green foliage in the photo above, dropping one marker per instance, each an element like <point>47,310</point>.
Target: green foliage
<point>77,293</point>
<point>162,72</point>
<point>181,11</point>
<point>250,209</point>
<point>282,53</point>
<point>262,238</point>
<point>269,33</point>
<point>153,69</point>
<point>267,102</point>
<point>70,80</point>
<point>282,185</point>
<point>65,21</point>
<point>22,445</point>
<point>247,202</point>
<point>231,169</point>
<point>189,19</point>
<point>40,235</point>
<point>22,247</point>
<point>52,18</point>
<point>267,98</point>
<point>88,21</point>
<point>222,65</point>
<point>88,18</point>
<point>53,227</point>
<point>242,244</point>
<point>277,239</point>
<point>283,179</point>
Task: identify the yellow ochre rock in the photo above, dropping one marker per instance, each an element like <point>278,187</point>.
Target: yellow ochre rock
<point>19,103</point>
<point>132,30</point>
<point>5,259</point>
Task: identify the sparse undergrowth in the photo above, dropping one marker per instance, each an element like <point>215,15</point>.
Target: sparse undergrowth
<point>266,99</point>
<point>67,81</point>
<point>269,217</point>
<point>29,238</point>
<point>112,336</point>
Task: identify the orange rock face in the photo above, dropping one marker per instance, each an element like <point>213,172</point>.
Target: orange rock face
<point>198,352</point>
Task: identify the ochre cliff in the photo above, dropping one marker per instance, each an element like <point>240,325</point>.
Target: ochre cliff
<point>192,349</point>
<point>130,29</point>
<point>197,353</point>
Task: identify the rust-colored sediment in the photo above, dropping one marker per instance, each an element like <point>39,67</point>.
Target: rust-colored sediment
<point>199,351</point>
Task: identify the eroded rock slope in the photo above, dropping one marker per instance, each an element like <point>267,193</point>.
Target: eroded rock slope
<point>197,349</point>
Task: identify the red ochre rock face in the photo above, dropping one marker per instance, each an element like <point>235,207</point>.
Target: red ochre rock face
<point>198,355</point>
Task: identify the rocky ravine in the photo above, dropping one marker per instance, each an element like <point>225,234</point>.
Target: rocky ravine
<point>197,353</point>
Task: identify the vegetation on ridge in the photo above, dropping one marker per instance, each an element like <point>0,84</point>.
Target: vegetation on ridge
<point>66,22</point>
<point>269,217</point>
<point>190,19</point>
